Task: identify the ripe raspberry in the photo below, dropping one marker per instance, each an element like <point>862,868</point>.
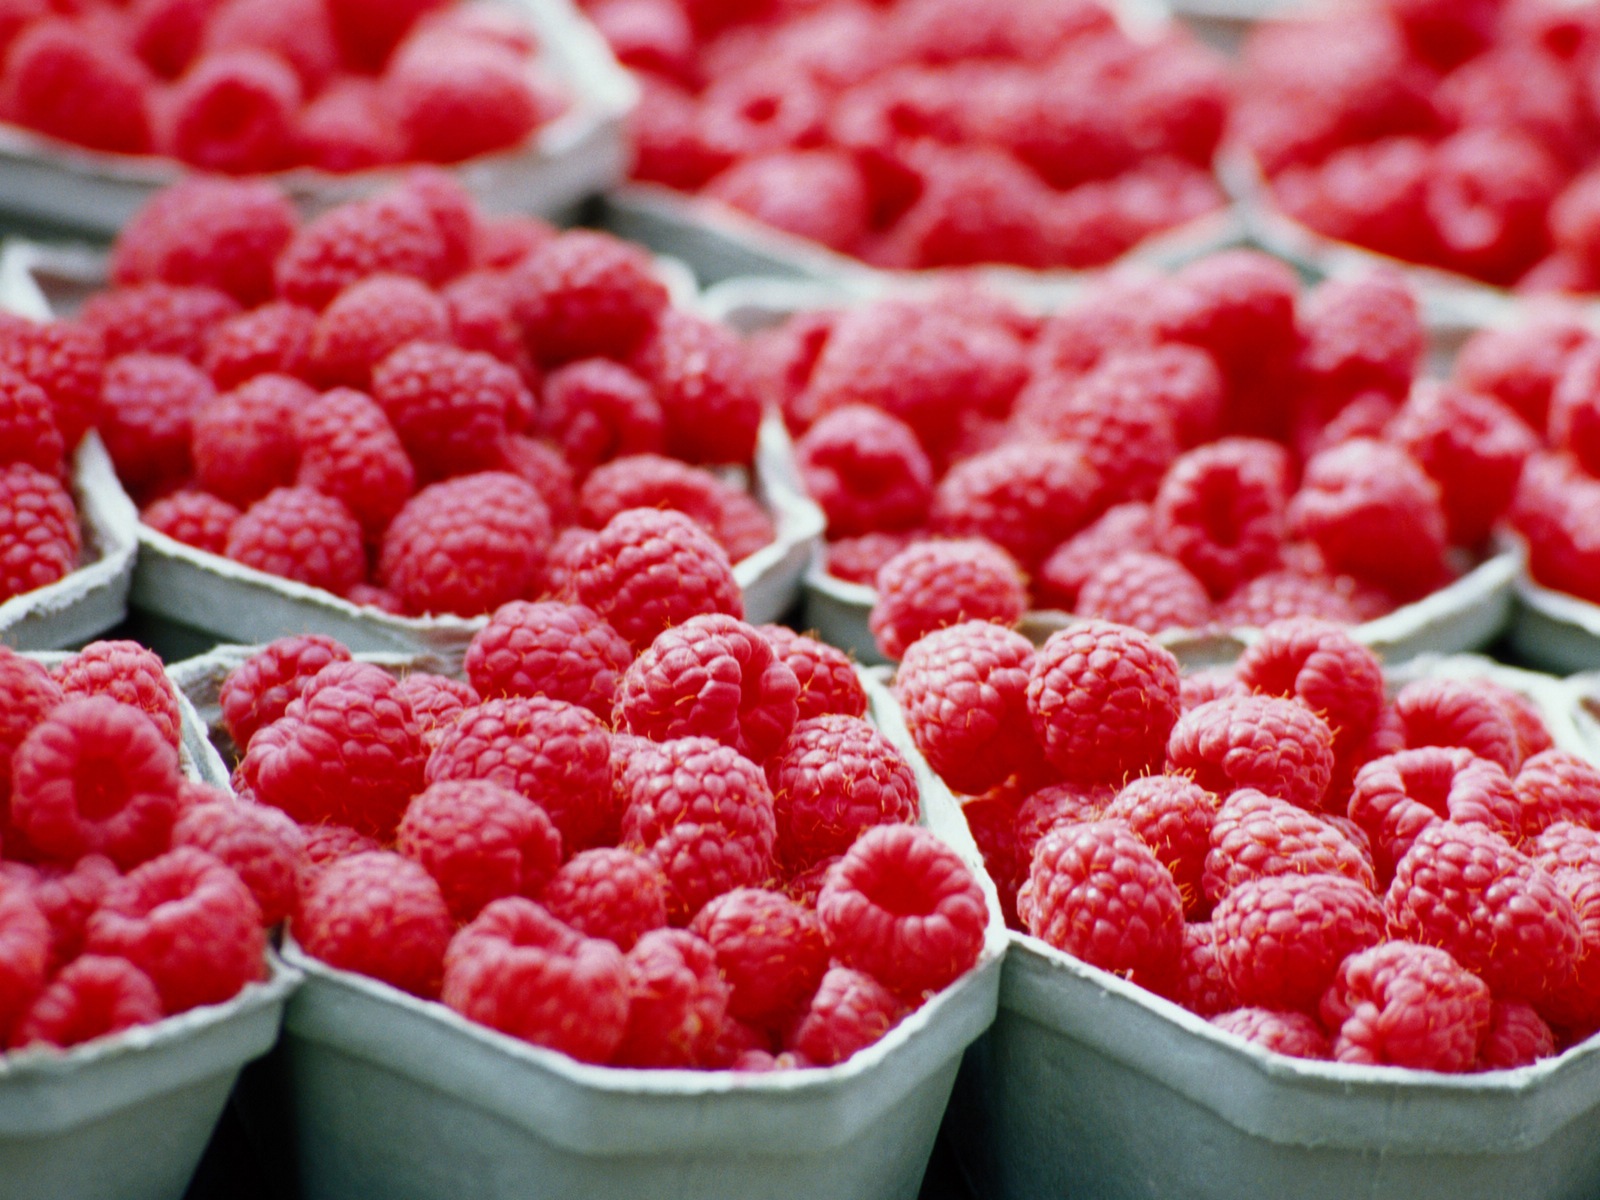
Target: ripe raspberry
<point>451,407</point>
<point>28,430</point>
<point>67,361</point>
<point>479,304</point>
<point>771,951</point>
<point>348,128</point>
<point>1220,510</point>
<point>455,98</point>
<point>147,407</point>
<point>1266,742</point>
<point>1280,938</point>
<point>866,469</point>
<point>436,701</point>
<point>1100,894</point>
<point>849,1012</point>
<point>1198,982</point>
<point>128,672</point>
<point>1466,889</point>
<point>64,81</point>
<point>348,450</point>
<point>234,111</point>
<point>609,893</point>
<point>1407,1005</point>
<point>157,318</point>
<point>597,410</point>
<point>257,692</point>
<point>1120,429</point>
<point>563,651</point>
<point>378,914</point>
<point>1521,366</point>
<point>1532,736</point>
<point>1291,1033</point>
<point>1173,816</point>
<point>1489,192</point>
<point>1320,665</point>
<point>1208,684</point>
<point>390,234</point>
<point>298,31</point>
<point>1285,594</point>
<point>1056,804</point>
<point>1256,836</point>
<point>1150,592</point>
<point>827,677</point>
<point>585,294</point>
<point>261,845</point>
<point>1026,498</point>
<point>678,1001</point>
<point>24,951</point>
<point>329,843</point>
<point>1552,511</point>
<point>859,559</point>
<point>1362,334</point>
<point>1238,306</point>
<point>769,188</point>
<point>1122,529</point>
<point>931,585</point>
<point>1517,1037</point>
<point>1555,786</point>
<point>1103,699</point>
<point>1453,712</point>
<point>480,841</point>
<point>243,442</point>
<point>649,569</point>
<point>93,996</point>
<point>347,750</point>
<point>539,463</point>
<point>369,319</point>
<point>30,695</point>
<point>300,534</point>
<point>703,813</point>
<point>728,513</point>
<point>467,545</point>
<point>706,390</point>
<point>39,538</point>
<point>1395,797</point>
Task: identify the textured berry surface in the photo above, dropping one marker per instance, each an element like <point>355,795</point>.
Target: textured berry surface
<point>677,1001</point>
<point>1454,712</point>
<point>260,844</point>
<point>480,841</point>
<point>125,671</point>
<point>849,1011</point>
<point>1173,816</point>
<point>258,691</point>
<point>931,585</point>
<point>826,675</point>
<point>585,294</point>
<point>1279,746</point>
<point>608,893</point>
<point>1150,592</point>
<point>300,534</point>
<point>380,915</point>
<point>1026,498</point>
<point>1406,1005</point>
<point>1324,668</point>
<point>548,648</point>
<point>1291,1033</point>
<point>866,469</point>
<point>1396,797</point>
<point>833,778</point>
<point>93,996</point>
<point>24,950</point>
<point>772,952</point>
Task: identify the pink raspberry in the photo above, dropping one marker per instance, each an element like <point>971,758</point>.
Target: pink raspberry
<point>156,318</point>
<point>1198,982</point>
<point>128,672</point>
<point>28,424</point>
<point>728,513</point>
<point>1266,742</point>
<point>849,1012</point>
<point>300,534</point>
<point>1554,786</point>
<point>597,410</point>
<point>380,915</point>
<point>1396,797</point>
<point>436,701</point>
<point>1286,594</point>
<point>707,392</point>
<point>1056,804</point>
<point>234,112</point>
<point>480,841</point>
<point>69,84</point>
<point>258,691</point>
<point>455,98</point>
<point>1553,512</point>
<point>585,294</point>
<point>390,234</point>
<point>328,843</point>
<point>1517,1037</point>
<point>1406,1005</point>
<point>1208,684</point>
<point>24,951</point>
<point>1573,1006</point>
<point>67,360</point>
<point>1103,699</point>
<point>866,469</point>
<point>769,188</point>
<point>39,537</point>
<point>1489,196</point>
<point>1221,510</point>
<point>348,450</point>
<point>1238,305</point>
<point>243,442</point>
<point>826,674</point>
<point>467,545</point>
<point>367,320</point>
<point>1112,419</point>
<point>678,1001</point>
<point>1532,735</point>
<point>931,585</point>
<point>772,952</point>
<point>1291,1033</point>
<point>782,357</point>
<point>1324,668</point>
<point>1454,712</point>
<point>563,651</point>
<point>93,996</point>
<point>1521,366</point>
<point>260,844</point>
<point>536,461</point>
<point>1574,420</point>
<point>1150,592</point>
<point>1256,836</point>
<point>859,559</point>
<point>479,304</point>
<point>1362,334</point>
<point>1173,816</point>
<point>1122,529</point>
<point>30,695</point>
<point>452,408</point>
<point>609,893</point>
<point>147,407</point>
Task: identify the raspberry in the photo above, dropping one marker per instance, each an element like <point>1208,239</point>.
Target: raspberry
<point>157,318</point>
<point>729,514</point>
<point>563,651</point>
<point>1277,745</point>
<point>609,893</point>
<point>39,539</point>
<point>772,952</point>
<point>436,700</point>
<point>1532,736</point>
<point>243,442</point>
<point>866,469</point>
<point>1199,983</point>
<point>1056,804</point>
<point>978,205</point>
<point>146,411</point>
<point>647,570</point>
<point>1103,699</point>
<point>234,112</point>
<point>597,410</point>
<point>369,30</point>
<point>748,112</point>
<point>27,424</point>
<point>1173,816</point>
<point>678,1001</point>
<point>24,951</point>
<point>1361,334</point>
<point>1123,529</point>
<point>481,841</point>
<point>1324,668</point>
<point>389,234</point>
<point>367,320</point>
<point>1208,684</point>
<point>467,545</point>
<point>931,585</point>
<point>300,534</point>
<point>1026,498</point>
<point>1100,894</point>
<point>1517,1037</point>
<point>1574,420</point>
<point>1238,306</point>
<point>1453,712</point>
<point>347,128</point>
<point>782,357</point>
<point>1291,1033</point>
<point>585,294</point>
<point>1464,888</point>
<point>455,98</point>
<point>827,677</point>
<point>380,915</point>
<point>298,31</point>
<point>1114,421</point>
<point>1552,511</point>
<point>1221,509</point>
<point>479,304</point>
<point>1554,786</point>
<point>67,361</point>
<point>347,750</point>
<point>259,690</point>
<point>859,559</point>
<point>540,463</point>
<point>1572,1006</point>
<point>1150,592</point>
<point>128,672</point>
<point>93,996</point>
<point>1256,836</point>
<point>1488,193</point>
<point>1406,1005</point>
<point>348,450</point>
<point>1397,796</point>
<point>849,1012</point>
<point>1280,938</point>
<point>64,81</point>
<point>262,845</point>
<point>1521,366</point>
<point>328,843</point>
<point>703,813</point>
<point>769,187</point>
<point>1281,595</point>
<point>30,695</point>
<point>707,394</point>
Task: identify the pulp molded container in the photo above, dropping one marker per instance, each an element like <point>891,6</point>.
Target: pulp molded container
<point>579,154</point>
<point>1554,630</point>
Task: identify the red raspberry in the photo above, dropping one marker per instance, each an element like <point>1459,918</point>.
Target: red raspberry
<point>1256,836</point>
<point>300,534</point>
<point>1291,1033</point>
<point>704,813</point>
<point>1100,894</point>
<point>329,843</point>
<point>378,914</point>
<point>769,187</point>
<point>1555,786</point>
<point>1324,668</point>
<point>1026,498</point>
<point>1150,592</point>
<point>1173,816</point>
<point>348,450</point>
<point>1266,742</point>
<point>1282,595</point>
<point>1123,529</point>
<point>347,750</point>
<point>467,545</point>
<point>1076,339</point>
<point>706,390</point>
<point>1199,983</point>
<point>39,539</point>
<point>1362,334</point>
<point>479,304</point>
<point>729,514</point>
<point>367,320</point>
<point>24,951</point>
<point>348,128</point>
<point>1464,888</point>
<point>648,569</point>
<point>157,318</point>
<point>390,234</point>
<point>866,469</point>
<point>30,694</point>
<point>849,1012</point>
<point>1238,305</point>
<point>609,893</point>
<point>540,463</point>
<point>1221,509</point>
<point>93,996</point>
<point>1281,938</point>
<point>1522,365</point>
<point>978,204</point>
<point>1112,420</point>
<point>1397,796</point>
<point>1103,699</point>
<point>1055,804</point>
<point>1532,736</point>
<point>481,841</point>
<point>298,31</point>
<point>1373,193</point>
<point>859,559</point>
<point>1517,1037</point>
<point>28,430</point>
<point>1454,712</point>
<point>678,1001</point>
<point>1208,684</point>
<point>782,357</point>
<point>931,585</point>
<point>368,30</point>
<point>95,776</point>
<point>1553,512</point>
<point>128,672</point>
<point>598,410</point>
<point>257,692</point>
<point>827,676</point>
<point>752,110</point>
<point>67,361</point>
<point>146,412</point>
<point>585,294</point>
<point>451,407</point>
<point>1573,1006</point>
<point>262,845</point>
<point>455,98</point>
<point>436,700</point>
<point>563,651</point>
<point>234,111</point>
<point>1406,1005</point>
<point>1488,193</point>
<point>772,952</point>
<point>243,442</point>
<point>64,81</point>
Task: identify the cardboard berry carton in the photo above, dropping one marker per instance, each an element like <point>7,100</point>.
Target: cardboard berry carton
<point>404,1096</point>
<point>565,160</point>
<point>130,1114</point>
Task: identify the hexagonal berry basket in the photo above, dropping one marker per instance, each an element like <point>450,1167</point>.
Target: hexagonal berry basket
<point>129,1116</point>
<point>577,155</point>
<point>395,1096</point>
<point>1088,1084</point>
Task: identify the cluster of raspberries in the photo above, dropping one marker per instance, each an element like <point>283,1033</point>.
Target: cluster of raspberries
<point>128,892</point>
<point>1462,135</point>
<point>1205,448</point>
<point>1282,847</point>
<point>693,852</point>
<point>926,133</point>
<point>405,402</point>
<point>245,86</point>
